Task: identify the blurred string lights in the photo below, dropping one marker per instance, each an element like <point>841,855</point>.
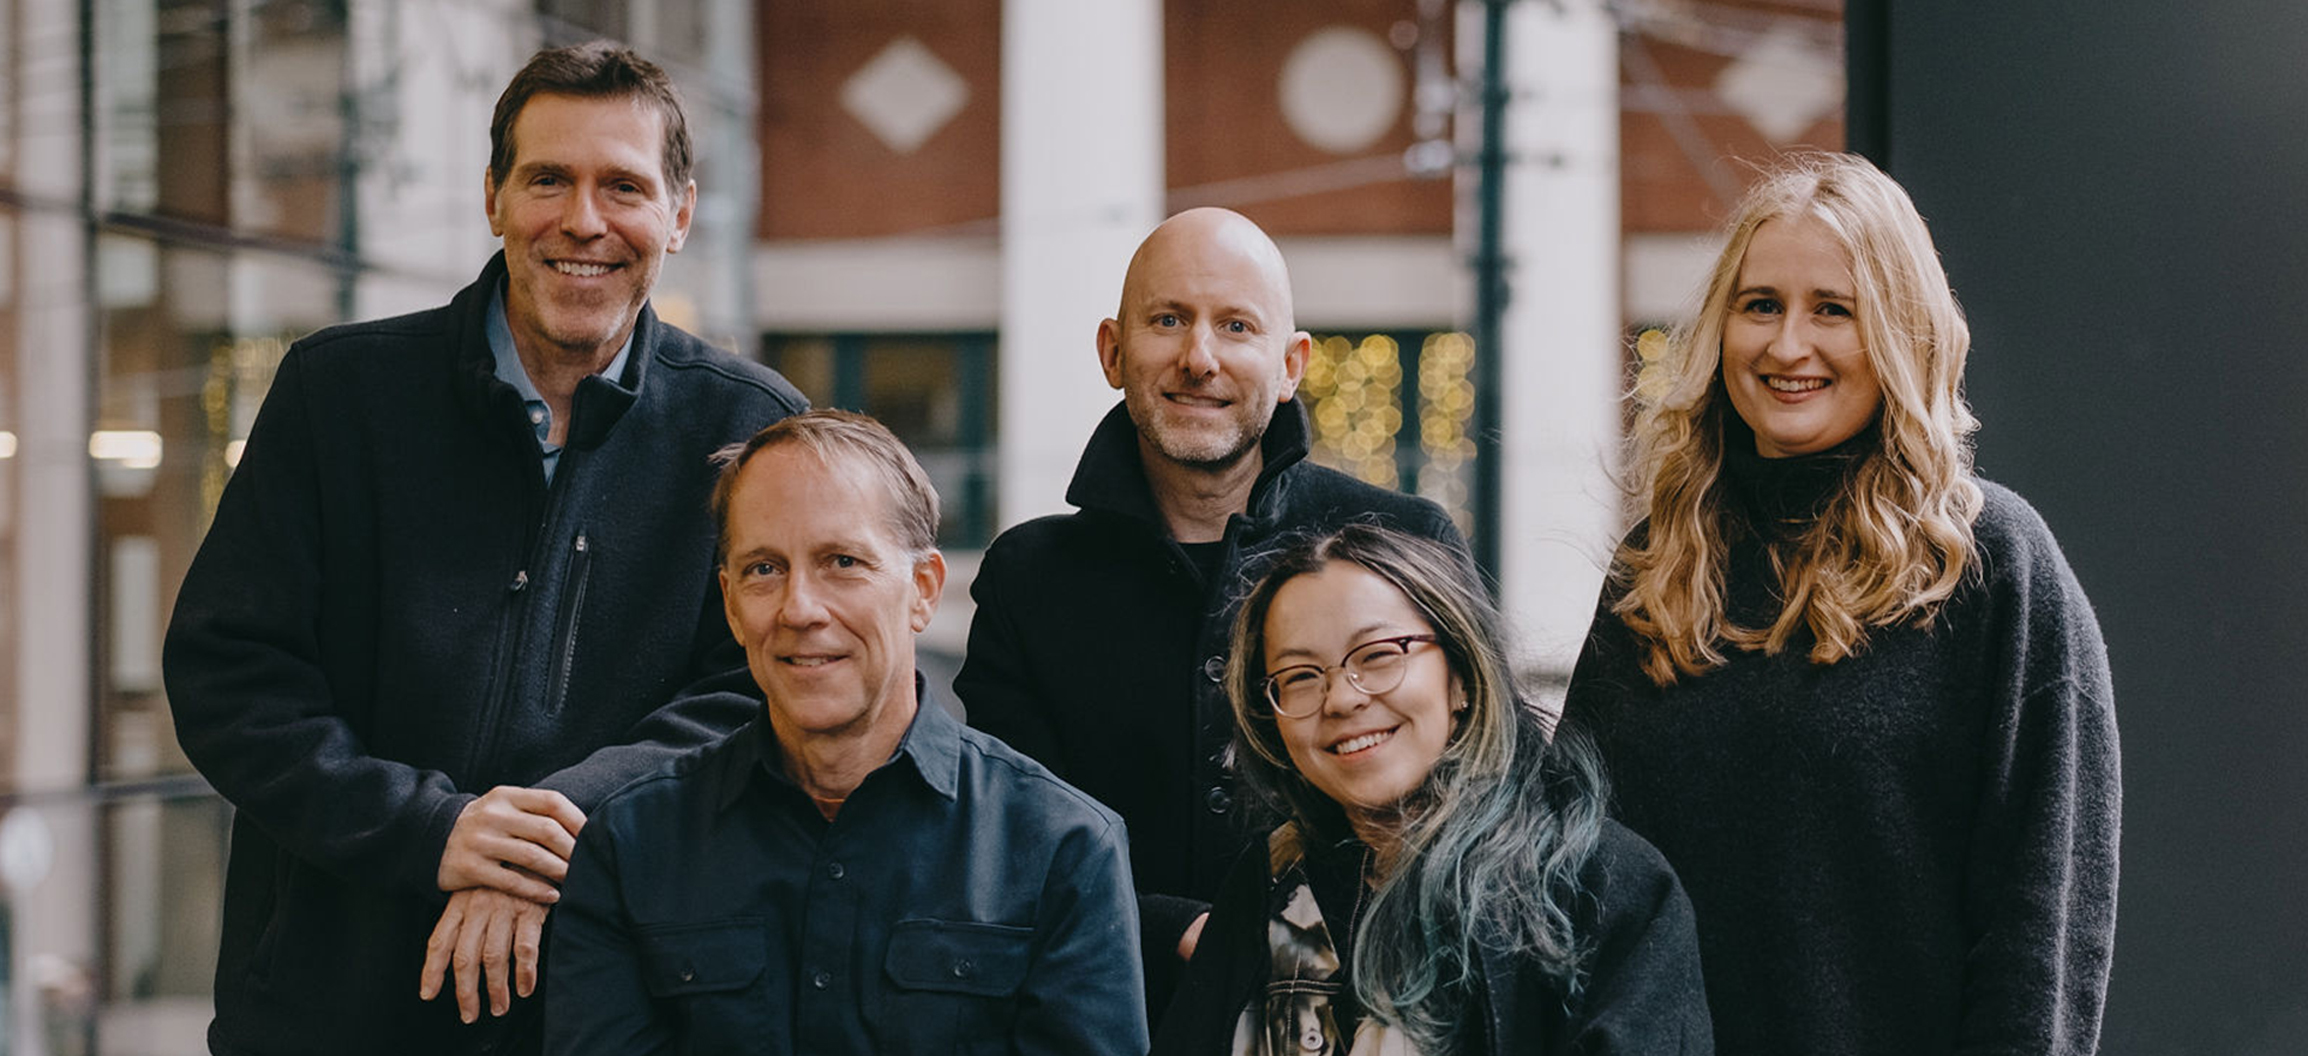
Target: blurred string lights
<point>1352,390</point>
<point>1446,401</point>
<point>1356,399</point>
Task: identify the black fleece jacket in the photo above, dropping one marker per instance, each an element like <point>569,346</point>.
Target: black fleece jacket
<point>1099,647</point>
<point>393,613</point>
<point>1910,851</point>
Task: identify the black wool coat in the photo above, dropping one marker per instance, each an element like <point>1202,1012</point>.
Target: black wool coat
<point>394,612</point>
<point>1099,649</point>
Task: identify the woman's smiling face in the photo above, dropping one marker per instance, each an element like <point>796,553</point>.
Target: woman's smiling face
<point>1794,362</point>
<point>1366,751</point>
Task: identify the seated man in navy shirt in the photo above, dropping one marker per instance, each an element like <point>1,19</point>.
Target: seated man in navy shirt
<point>854,871</point>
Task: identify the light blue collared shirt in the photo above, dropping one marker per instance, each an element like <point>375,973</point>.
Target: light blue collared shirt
<point>511,372</point>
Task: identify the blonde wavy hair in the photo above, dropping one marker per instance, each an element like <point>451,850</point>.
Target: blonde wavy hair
<point>1895,542</point>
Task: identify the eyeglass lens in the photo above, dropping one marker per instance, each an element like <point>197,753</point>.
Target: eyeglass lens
<point>1372,668</point>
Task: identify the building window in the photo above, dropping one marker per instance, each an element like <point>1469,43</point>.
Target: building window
<point>935,391</point>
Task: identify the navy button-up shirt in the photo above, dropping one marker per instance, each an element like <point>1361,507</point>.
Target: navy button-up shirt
<point>962,899</point>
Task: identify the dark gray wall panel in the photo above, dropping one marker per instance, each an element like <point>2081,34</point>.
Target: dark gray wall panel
<point>2117,189</point>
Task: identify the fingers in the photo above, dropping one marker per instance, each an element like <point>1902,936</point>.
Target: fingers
<point>484,940</point>
<point>527,829</point>
<point>543,803</point>
<point>500,855</point>
<point>528,943</point>
<point>540,817</point>
<point>466,965</point>
<point>556,806</point>
<point>496,955</point>
<point>502,878</point>
<point>437,947</point>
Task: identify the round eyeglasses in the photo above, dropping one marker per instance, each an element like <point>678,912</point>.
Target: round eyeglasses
<point>1297,691</point>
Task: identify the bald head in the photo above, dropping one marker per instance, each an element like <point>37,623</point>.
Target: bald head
<point>1204,346</point>
<point>1204,239</point>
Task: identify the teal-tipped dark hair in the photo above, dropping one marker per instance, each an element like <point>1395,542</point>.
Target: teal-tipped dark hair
<point>1492,841</point>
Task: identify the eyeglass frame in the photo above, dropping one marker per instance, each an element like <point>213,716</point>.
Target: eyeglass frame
<point>1399,641</point>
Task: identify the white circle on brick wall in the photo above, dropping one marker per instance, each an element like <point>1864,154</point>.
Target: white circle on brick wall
<point>1342,89</point>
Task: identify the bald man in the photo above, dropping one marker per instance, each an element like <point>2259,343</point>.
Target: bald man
<point>1100,636</point>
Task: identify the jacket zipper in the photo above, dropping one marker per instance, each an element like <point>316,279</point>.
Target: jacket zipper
<point>565,635</point>
<point>512,637</point>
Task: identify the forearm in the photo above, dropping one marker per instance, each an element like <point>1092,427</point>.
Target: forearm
<point>305,777</point>
<point>1164,920</point>
<point>720,696</point>
<point>704,712</point>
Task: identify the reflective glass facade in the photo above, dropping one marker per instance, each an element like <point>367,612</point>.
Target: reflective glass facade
<point>187,186</point>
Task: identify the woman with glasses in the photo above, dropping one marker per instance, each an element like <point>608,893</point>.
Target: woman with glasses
<point>1849,689</point>
<point>1442,879</point>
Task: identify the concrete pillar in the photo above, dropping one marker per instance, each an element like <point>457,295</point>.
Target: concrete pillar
<point>52,927</point>
<point>1561,379</point>
<point>1082,183</point>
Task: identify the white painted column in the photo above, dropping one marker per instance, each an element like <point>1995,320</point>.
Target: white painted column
<point>52,909</point>
<point>1559,502</point>
<point>1082,183</point>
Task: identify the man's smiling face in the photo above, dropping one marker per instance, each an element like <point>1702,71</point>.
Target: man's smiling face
<point>1204,347</point>
<point>823,598</point>
<point>587,220</point>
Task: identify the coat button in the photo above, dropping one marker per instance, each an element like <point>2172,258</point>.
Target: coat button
<point>1214,669</point>
<point>821,980</point>
<point>834,871</point>
<point>1218,800</point>
<point>963,968</point>
<point>688,974</point>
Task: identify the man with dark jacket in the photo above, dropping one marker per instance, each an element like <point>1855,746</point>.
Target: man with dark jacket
<point>1099,643</point>
<point>456,589</point>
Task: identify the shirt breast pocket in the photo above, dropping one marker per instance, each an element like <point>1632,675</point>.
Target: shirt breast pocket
<point>952,986</point>
<point>708,977</point>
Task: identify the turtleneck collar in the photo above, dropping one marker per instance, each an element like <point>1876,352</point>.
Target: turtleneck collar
<point>1112,473</point>
<point>1791,491</point>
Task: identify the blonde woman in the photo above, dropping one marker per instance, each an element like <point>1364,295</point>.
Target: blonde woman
<point>1849,689</point>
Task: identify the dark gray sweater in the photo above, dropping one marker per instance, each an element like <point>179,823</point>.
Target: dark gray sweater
<point>1909,851</point>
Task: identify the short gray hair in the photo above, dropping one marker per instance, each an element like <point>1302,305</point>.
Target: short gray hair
<point>839,437</point>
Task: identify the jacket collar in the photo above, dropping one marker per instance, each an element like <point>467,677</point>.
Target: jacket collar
<point>1112,474</point>
<point>599,404</point>
<point>932,744</point>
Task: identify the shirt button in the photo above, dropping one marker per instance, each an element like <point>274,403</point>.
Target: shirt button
<point>1218,800</point>
<point>821,980</point>
<point>537,417</point>
<point>963,968</point>
<point>834,871</point>
<point>1214,669</point>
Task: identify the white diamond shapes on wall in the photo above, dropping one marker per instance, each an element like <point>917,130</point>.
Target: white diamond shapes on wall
<point>904,94</point>
<point>1782,84</point>
<point>1342,89</point>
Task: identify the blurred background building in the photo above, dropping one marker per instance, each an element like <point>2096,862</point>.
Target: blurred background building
<point>916,208</point>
